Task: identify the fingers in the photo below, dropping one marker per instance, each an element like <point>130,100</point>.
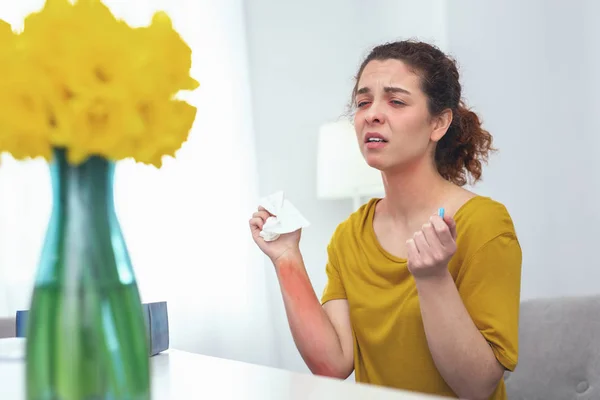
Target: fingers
<point>412,251</point>
<point>451,223</point>
<point>442,230</point>
<point>435,238</point>
<point>421,242</point>
<point>258,220</point>
<point>431,235</point>
<point>432,246</point>
<point>261,208</point>
<point>256,223</point>
<point>261,214</point>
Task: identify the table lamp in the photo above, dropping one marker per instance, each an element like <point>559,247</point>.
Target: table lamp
<point>342,172</point>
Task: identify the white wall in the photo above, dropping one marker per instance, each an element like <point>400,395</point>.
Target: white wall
<point>303,56</point>
<point>530,68</point>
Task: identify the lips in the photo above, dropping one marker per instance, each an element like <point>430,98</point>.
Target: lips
<point>375,137</point>
<point>375,141</point>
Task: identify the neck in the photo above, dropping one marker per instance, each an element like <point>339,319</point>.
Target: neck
<point>412,193</point>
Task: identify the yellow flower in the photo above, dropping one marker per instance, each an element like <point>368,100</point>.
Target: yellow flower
<point>26,115</point>
<point>7,36</point>
<point>167,125</point>
<point>79,78</point>
<point>102,120</point>
<point>166,58</point>
<point>83,46</point>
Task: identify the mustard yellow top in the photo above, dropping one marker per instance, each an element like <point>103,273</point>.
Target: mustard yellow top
<point>390,347</point>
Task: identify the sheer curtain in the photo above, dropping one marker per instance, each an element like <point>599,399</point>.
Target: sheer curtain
<point>186,224</point>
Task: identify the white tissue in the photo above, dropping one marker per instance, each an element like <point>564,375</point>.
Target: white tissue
<point>286,217</point>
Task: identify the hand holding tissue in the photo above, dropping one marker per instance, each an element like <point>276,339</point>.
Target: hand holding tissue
<point>286,218</point>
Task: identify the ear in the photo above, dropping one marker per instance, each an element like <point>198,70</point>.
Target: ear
<point>441,123</point>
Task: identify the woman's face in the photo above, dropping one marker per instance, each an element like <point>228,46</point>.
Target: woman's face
<point>392,121</point>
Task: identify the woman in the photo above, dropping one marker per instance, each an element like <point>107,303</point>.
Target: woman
<point>413,300</point>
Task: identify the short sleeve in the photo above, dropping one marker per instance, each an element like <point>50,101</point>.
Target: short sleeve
<point>334,288</point>
<point>490,285</point>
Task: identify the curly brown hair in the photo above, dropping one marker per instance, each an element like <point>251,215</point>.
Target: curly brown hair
<point>461,151</point>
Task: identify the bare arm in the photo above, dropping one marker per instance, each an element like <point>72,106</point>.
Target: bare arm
<point>461,354</point>
<point>322,334</point>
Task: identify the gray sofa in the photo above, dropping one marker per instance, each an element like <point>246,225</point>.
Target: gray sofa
<point>559,350</point>
<point>7,327</point>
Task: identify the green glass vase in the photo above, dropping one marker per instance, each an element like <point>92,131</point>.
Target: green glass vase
<point>86,335</point>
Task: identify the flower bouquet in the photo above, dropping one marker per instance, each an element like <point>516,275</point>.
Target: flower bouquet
<point>84,90</point>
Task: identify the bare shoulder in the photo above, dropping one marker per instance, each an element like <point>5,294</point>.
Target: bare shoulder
<point>458,197</point>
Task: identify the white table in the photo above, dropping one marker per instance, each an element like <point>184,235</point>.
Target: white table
<point>182,375</point>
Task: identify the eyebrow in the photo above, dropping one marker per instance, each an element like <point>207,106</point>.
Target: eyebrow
<point>387,89</point>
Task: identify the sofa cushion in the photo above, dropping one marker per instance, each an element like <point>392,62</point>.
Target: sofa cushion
<point>559,350</point>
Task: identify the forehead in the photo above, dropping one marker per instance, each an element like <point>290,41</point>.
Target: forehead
<point>378,74</point>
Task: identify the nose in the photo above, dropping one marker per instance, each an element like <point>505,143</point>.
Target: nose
<point>375,114</point>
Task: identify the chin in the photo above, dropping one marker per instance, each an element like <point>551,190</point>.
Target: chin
<point>383,165</point>
<point>377,163</point>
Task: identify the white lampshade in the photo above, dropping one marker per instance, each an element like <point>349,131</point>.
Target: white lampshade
<point>342,171</point>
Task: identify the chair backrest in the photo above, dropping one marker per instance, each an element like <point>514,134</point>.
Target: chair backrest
<point>156,316</point>
<point>22,323</point>
<point>7,327</point>
<point>559,350</point>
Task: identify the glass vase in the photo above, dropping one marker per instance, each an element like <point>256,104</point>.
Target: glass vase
<point>86,335</point>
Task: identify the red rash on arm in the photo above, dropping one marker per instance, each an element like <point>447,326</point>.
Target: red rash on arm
<point>312,330</point>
